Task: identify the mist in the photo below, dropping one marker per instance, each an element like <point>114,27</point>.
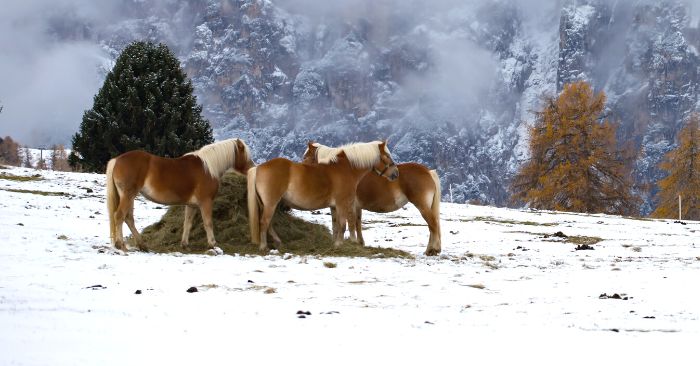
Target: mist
<point>46,84</point>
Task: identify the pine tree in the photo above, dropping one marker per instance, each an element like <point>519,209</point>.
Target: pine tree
<point>27,159</point>
<point>146,102</point>
<point>683,167</point>
<point>575,164</point>
<point>59,160</point>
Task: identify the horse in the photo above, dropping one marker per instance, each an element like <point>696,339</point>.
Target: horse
<point>332,182</point>
<point>191,180</point>
<point>416,184</point>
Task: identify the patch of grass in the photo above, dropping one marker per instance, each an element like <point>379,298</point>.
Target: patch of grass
<point>580,240</point>
<point>19,178</point>
<point>329,265</point>
<point>41,193</point>
<point>509,222</point>
<point>478,286</point>
<point>402,224</point>
<point>62,237</point>
<point>230,217</point>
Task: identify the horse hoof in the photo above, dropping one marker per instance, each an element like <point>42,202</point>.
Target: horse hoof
<point>432,252</point>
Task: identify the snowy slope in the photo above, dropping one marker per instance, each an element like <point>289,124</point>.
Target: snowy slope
<point>500,293</point>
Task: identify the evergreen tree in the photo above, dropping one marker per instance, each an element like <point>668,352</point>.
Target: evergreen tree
<point>683,167</point>
<point>146,102</point>
<point>574,161</point>
<point>27,160</point>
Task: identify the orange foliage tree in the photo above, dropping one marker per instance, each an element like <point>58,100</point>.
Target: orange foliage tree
<point>683,167</point>
<point>575,164</point>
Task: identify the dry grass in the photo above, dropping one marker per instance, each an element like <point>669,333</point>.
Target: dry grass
<point>40,193</point>
<point>19,178</point>
<point>230,216</point>
<point>580,240</point>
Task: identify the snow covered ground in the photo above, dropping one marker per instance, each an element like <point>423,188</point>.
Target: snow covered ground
<point>501,292</point>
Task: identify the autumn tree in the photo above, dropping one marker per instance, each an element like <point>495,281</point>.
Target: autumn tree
<point>683,168</point>
<point>9,151</point>
<point>146,102</point>
<point>59,158</point>
<point>575,164</point>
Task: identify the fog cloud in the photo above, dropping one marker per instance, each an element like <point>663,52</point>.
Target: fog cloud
<point>46,84</point>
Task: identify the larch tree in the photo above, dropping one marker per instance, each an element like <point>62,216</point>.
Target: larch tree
<point>575,163</point>
<point>59,158</point>
<point>146,102</point>
<point>683,167</point>
<point>9,152</point>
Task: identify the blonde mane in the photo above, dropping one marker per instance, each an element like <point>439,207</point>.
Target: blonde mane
<point>219,156</point>
<point>360,155</point>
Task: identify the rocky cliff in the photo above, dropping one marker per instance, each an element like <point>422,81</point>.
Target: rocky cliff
<point>451,84</point>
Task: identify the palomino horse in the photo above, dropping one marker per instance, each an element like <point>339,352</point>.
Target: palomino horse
<point>416,184</point>
<point>190,180</point>
<point>313,186</point>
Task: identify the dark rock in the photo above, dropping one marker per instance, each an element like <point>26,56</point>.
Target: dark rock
<point>138,292</point>
<point>192,289</point>
<point>584,247</point>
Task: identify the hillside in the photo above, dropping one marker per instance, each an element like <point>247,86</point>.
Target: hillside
<point>451,84</point>
<point>507,287</point>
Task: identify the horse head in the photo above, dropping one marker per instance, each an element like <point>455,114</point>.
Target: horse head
<point>309,156</point>
<point>386,167</point>
<point>243,160</point>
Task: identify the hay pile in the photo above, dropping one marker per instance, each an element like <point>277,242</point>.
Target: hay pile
<point>232,234</point>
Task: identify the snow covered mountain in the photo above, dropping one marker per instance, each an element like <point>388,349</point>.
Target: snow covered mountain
<point>451,84</point>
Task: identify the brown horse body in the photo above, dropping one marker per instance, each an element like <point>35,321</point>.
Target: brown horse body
<point>311,187</point>
<point>191,180</point>
<point>416,184</point>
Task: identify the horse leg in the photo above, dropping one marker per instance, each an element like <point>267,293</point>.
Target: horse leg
<point>126,202</point>
<point>265,220</point>
<point>434,246</point>
<point>352,224</point>
<point>205,208</point>
<point>341,215</point>
<point>132,226</point>
<point>358,225</point>
<point>187,225</point>
<point>275,237</point>
<point>334,223</point>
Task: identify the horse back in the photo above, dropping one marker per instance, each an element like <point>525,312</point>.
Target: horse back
<point>378,194</point>
<point>305,186</point>
<point>164,180</point>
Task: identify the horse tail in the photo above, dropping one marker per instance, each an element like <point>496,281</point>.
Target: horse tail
<point>253,209</point>
<point>112,200</point>
<point>436,197</point>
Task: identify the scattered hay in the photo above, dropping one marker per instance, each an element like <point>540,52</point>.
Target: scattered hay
<point>478,286</point>
<point>230,216</point>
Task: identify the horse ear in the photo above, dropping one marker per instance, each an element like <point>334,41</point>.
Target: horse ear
<point>239,143</point>
<point>311,143</point>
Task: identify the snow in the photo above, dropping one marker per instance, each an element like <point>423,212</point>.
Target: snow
<point>539,302</point>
